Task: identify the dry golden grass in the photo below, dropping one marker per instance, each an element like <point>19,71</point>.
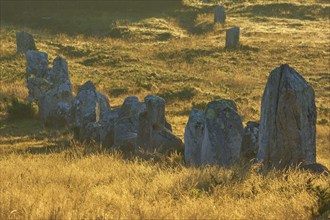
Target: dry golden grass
<point>44,174</point>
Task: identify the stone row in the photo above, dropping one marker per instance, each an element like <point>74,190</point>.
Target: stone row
<point>135,124</point>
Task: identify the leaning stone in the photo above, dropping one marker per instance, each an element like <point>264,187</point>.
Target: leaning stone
<point>232,37</point>
<point>219,15</point>
<point>193,137</point>
<point>223,134</point>
<point>250,143</point>
<point>36,64</point>
<point>288,120</point>
<point>24,42</point>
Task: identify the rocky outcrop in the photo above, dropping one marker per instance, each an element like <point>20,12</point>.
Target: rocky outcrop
<point>288,120</point>
<point>24,42</point>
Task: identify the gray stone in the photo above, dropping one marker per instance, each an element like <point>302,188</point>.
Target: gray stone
<point>107,131</point>
<point>54,101</point>
<point>288,120</point>
<point>219,15</point>
<point>152,133</point>
<point>24,42</point>
<point>193,137</point>
<point>37,87</point>
<point>232,37</point>
<point>89,106</point>
<point>126,126</point>
<point>250,144</point>
<point>36,64</point>
<point>223,134</point>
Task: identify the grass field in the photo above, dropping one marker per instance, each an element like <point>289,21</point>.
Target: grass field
<point>176,53</point>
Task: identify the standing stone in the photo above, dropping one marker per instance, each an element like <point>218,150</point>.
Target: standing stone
<point>107,132</point>
<point>89,106</point>
<point>219,15</point>
<point>152,132</point>
<point>193,137</point>
<point>223,133</point>
<point>24,42</point>
<point>36,64</point>
<point>126,126</point>
<point>250,144</point>
<point>232,37</point>
<point>55,103</point>
<point>288,120</point>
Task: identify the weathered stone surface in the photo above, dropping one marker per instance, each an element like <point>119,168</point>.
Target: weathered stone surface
<point>219,15</point>
<point>223,133</point>
<point>37,87</point>
<point>126,126</point>
<point>36,64</point>
<point>152,133</point>
<point>250,144</point>
<point>193,137</point>
<point>107,132</point>
<point>24,42</point>
<point>54,106</point>
<point>89,106</point>
<point>288,120</point>
<point>54,100</point>
<point>232,37</point>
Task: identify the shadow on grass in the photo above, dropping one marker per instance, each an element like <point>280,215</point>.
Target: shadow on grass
<point>95,18</point>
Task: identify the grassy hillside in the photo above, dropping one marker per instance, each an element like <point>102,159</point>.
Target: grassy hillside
<point>178,54</point>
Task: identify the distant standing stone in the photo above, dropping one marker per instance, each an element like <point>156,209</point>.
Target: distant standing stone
<point>288,120</point>
<point>24,42</point>
<point>232,37</point>
<point>219,15</point>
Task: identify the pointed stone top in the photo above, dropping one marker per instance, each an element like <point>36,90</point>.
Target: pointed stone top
<point>87,86</point>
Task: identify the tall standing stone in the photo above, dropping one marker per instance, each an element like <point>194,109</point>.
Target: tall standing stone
<point>223,133</point>
<point>219,15</point>
<point>232,37</point>
<point>24,42</point>
<point>193,137</point>
<point>288,120</point>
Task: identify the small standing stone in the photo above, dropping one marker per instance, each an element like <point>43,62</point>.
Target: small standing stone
<point>232,37</point>
<point>219,15</point>
<point>250,143</point>
<point>24,42</point>
<point>193,137</point>
<point>287,133</point>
